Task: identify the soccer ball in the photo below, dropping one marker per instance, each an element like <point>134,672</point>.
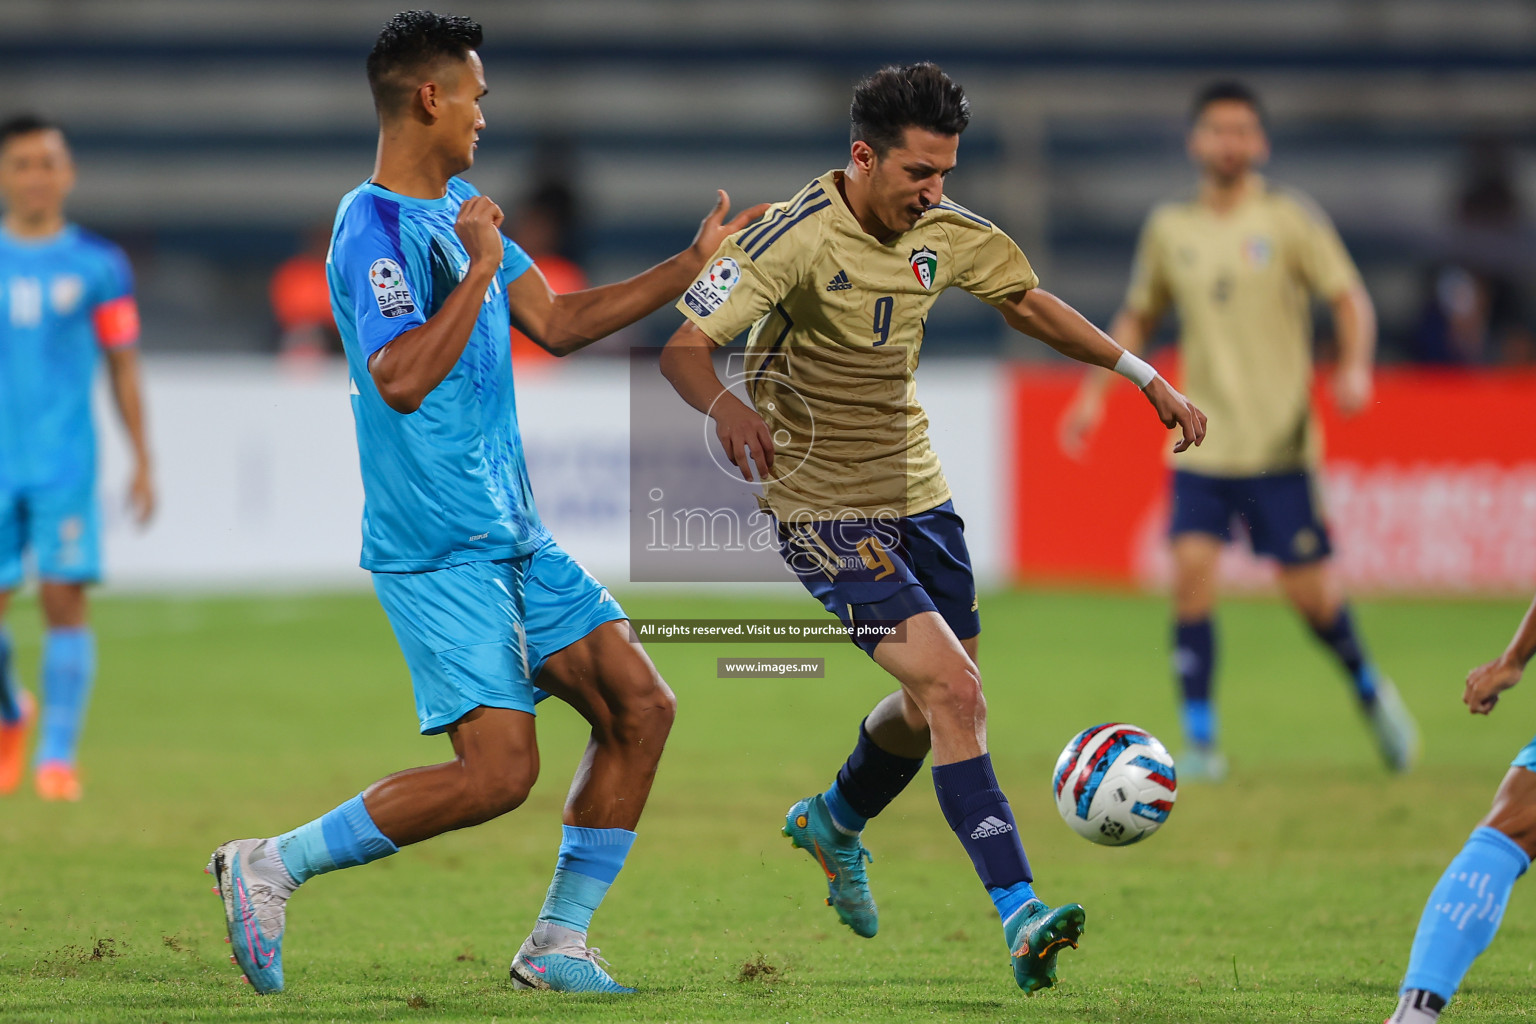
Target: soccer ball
<point>1114,784</point>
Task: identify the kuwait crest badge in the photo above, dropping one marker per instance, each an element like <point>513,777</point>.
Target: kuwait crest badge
<point>925,262</point>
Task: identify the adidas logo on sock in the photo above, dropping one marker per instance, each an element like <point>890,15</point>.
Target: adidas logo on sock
<point>840,283</point>
<point>991,826</point>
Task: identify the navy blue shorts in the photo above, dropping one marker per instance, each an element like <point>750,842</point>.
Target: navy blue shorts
<point>887,570</point>
<point>1281,512</point>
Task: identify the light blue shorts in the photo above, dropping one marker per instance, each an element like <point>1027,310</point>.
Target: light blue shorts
<point>1526,758</point>
<point>60,525</point>
<point>478,634</point>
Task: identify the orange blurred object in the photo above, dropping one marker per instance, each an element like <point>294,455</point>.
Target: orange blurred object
<point>57,781</point>
<point>13,743</point>
<point>299,294</point>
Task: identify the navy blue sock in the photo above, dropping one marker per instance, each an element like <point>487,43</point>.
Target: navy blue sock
<point>867,783</point>
<point>1194,660</point>
<point>10,704</point>
<point>1344,642</point>
<point>976,809</point>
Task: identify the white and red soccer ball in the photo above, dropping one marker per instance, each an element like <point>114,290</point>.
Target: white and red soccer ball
<point>1114,784</point>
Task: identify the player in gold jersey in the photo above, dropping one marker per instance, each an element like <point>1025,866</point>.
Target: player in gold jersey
<point>1239,262</point>
<point>836,285</point>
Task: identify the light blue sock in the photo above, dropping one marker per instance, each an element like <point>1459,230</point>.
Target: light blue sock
<point>590,859</point>
<point>342,837</point>
<point>1463,912</point>
<point>69,666</point>
<point>10,703</point>
<point>1011,899</point>
<point>843,814</point>
<point>1199,721</point>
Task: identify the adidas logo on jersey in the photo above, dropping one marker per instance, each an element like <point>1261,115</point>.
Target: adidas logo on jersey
<point>840,283</point>
<point>991,826</point>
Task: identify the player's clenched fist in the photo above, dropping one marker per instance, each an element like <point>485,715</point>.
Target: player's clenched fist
<point>1486,682</point>
<point>479,229</point>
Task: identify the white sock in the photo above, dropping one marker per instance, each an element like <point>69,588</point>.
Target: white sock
<point>1417,1007</point>
<point>264,862</point>
<point>548,935</point>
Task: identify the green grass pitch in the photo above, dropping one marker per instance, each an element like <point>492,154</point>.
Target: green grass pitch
<point>1289,894</point>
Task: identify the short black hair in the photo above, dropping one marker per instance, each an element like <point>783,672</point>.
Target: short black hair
<point>909,96</point>
<point>410,41</point>
<point>25,124</point>
<point>1226,89</point>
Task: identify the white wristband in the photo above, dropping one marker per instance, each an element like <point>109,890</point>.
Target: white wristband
<point>1135,369</point>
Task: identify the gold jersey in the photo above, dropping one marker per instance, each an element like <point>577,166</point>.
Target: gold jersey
<point>1241,283</point>
<point>837,320</point>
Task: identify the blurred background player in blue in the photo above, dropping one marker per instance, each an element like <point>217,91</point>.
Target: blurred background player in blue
<point>490,613</point>
<point>66,296</point>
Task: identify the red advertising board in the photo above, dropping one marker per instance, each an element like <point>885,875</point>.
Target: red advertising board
<point>1433,488</point>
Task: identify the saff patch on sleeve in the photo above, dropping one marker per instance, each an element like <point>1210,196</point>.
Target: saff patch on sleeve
<point>709,292</point>
<point>390,289</point>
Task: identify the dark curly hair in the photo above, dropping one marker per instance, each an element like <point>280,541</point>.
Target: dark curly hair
<point>25,124</point>
<point>1217,92</point>
<point>410,42</point>
<point>910,96</point>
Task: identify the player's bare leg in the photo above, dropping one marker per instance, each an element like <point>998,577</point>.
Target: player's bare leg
<point>69,667</point>
<point>1481,877</point>
<point>1195,558</point>
<point>1514,809</point>
<point>610,680</point>
<point>941,680</point>
<point>899,726</point>
<point>17,710</point>
<point>1315,592</point>
<point>495,763</point>
<point>940,677</point>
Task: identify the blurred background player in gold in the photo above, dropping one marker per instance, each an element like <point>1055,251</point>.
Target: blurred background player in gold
<point>1239,262</point>
<point>836,285</point>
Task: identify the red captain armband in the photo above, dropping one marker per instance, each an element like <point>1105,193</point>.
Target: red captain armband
<point>117,322</point>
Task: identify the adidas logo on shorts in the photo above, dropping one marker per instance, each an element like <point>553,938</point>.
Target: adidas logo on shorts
<point>991,826</point>
<point>840,283</point>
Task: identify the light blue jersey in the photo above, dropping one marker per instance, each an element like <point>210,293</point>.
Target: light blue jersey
<point>62,299</point>
<point>445,485</point>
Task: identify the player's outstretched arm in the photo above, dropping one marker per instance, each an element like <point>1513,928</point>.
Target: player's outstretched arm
<point>128,394</point>
<point>1086,411</point>
<point>1042,315</point>
<point>564,323</point>
<point>418,360</point>
<point>687,363</point>
<point>1486,682</point>
<point>1354,323</point>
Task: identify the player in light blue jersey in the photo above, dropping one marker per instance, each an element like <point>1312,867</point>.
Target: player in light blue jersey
<point>490,613</point>
<point>66,296</point>
<point>1467,905</point>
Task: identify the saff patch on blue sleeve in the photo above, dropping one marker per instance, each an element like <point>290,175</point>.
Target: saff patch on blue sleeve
<point>390,289</point>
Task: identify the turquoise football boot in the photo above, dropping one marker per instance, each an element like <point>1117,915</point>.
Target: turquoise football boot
<point>254,909</point>
<point>1035,934</point>
<point>841,857</point>
<point>566,964</point>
